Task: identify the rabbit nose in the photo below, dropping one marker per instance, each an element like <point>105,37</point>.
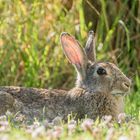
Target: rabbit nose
<point>126,84</point>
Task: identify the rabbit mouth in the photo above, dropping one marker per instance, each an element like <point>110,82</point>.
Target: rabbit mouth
<point>118,93</point>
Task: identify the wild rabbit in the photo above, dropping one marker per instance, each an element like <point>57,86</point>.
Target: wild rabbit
<point>99,89</point>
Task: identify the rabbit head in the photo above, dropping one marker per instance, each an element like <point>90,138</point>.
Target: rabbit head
<point>92,75</point>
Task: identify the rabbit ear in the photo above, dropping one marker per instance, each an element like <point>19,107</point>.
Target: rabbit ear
<point>74,53</point>
<point>90,47</point>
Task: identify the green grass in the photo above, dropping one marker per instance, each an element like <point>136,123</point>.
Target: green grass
<point>85,129</point>
<point>30,54</point>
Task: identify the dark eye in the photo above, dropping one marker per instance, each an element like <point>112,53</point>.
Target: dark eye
<point>101,71</point>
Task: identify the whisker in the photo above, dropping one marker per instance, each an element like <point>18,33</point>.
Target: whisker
<point>119,55</point>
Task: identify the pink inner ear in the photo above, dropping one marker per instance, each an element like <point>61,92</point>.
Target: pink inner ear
<point>72,49</point>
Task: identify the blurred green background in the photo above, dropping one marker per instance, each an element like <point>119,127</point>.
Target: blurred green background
<point>30,50</point>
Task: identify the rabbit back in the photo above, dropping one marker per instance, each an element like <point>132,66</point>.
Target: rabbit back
<point>43,103</point>
<point>31,102</point>
<point>40,103</point>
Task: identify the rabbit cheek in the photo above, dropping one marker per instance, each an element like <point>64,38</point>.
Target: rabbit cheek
<point>105,83</point>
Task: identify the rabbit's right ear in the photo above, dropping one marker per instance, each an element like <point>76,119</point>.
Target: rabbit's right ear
<point>90,47</point>
<point>74,53</point>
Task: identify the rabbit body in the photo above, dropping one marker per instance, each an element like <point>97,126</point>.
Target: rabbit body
<point>99,89</point>
<point>37,103</point>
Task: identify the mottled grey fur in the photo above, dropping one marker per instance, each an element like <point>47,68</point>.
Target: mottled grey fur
<point>94,95</point>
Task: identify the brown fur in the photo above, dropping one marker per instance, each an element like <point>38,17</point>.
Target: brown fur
<point>32,102</point>
<point>96,94</point>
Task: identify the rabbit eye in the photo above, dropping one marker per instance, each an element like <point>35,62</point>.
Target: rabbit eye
<point>101,71</point>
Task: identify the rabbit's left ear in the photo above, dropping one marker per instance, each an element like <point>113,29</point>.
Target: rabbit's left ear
<point>74,53</point>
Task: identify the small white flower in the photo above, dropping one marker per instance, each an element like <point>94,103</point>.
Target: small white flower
<point>123,138</point>
<point>87,124</point>
<point>121,117</point>
<point>107,119</point>
<point>38,131</point>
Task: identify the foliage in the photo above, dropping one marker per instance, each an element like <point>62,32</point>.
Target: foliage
<point>30,33</point>
<point>30,49</point>
<point>84,129</point>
